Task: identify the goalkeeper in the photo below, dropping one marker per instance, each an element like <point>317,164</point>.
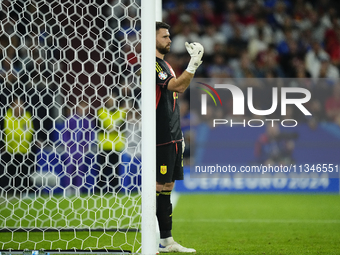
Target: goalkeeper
<point>170,143</point>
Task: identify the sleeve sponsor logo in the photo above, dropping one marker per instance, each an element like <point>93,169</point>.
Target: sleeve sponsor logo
<point>162,75</point>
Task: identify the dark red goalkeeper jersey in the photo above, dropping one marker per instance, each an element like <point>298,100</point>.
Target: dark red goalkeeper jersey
<point>168,127</point>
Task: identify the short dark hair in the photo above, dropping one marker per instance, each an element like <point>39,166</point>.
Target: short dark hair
<point>160,25</point>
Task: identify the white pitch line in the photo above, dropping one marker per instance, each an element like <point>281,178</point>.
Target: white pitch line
<point>174,198</point>
<point>260,221</point>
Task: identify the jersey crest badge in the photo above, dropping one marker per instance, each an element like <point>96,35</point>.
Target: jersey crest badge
<point>164,169</point>
<point>162,75</point>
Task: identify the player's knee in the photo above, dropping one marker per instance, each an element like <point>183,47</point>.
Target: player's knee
<point>168,186</point>
<point>164,186</point>
<point>159,186</point>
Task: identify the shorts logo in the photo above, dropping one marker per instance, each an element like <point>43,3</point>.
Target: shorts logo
<point>162,75</point>
<point>163,169</point>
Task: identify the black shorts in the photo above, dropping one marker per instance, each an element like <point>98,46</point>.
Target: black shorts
<point>169,163</point>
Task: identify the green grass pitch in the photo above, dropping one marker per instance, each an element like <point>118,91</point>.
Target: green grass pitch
<point>88,215</point>
<point>258,224</point>
<point>228,224</point>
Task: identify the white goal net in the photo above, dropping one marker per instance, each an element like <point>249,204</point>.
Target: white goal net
<point>70,125</point>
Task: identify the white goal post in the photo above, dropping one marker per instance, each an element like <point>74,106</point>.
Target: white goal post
<point>148,127</point>
<point>77,169</point>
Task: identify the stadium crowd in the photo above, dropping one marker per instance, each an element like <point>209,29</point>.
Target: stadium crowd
<point>263,39</point>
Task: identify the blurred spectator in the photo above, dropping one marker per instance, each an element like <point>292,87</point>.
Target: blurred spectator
<point>267,65</point>
<point>314,57</point>
<point>18,156</point>
<point>274,147</point>
<point>257,44</point>
<point>326,70</point>
<point>79,139</point>
<point>283,40</point>
<point>260,30</point>
<point>230,25</point>
<point>236,44</point>
<point>211,37</point>
<point>291,59</point>
<point>272,60</point>
<point>317,110</point>
<point>301,71</point>
<point>332,41</point>
<point>219,68</point>
<point>184,113</point>
<point>279,13</point>
<point>270,5</point>
<point>260,65</point>
<point>332,105</point>
<point>187,34</point>
<point>299,11</point>
<point>111,143</point>
<point>313,22</point>
<point>249,10</point>
<point>244,68</point>
<point>209,16</point>
<point>172,14</point>
<point>290,26</point>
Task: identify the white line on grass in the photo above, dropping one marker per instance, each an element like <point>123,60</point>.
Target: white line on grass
<point>174,198</point>
<point>260,221</point>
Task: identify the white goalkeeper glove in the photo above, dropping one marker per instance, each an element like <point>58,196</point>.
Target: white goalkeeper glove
<point>196,51</point>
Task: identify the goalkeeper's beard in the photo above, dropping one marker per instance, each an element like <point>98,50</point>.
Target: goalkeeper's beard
<point>163,50</point>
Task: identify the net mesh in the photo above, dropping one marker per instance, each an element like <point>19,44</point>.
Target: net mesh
<point>70,125</point>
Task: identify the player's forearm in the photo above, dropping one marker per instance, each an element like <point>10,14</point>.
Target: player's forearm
<point>181,83</point>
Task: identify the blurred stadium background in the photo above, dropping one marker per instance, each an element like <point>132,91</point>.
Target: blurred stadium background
<point>260,39</point>
<point>289,40</point>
